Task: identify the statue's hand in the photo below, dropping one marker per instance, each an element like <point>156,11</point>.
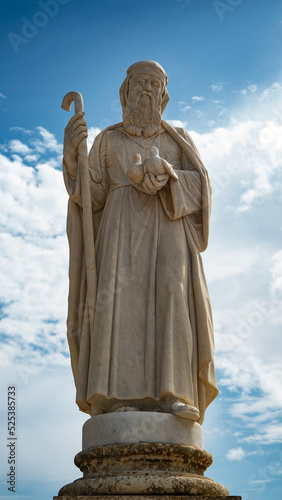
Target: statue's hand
<point>75,131</point>
<point>152,183</point>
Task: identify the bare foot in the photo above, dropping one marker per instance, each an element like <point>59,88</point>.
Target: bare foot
<point>184,410</point>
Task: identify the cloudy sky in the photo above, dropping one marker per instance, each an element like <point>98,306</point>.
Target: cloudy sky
<point>223,60</point>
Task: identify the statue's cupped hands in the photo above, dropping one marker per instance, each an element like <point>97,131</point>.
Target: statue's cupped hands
<point>152,183</point>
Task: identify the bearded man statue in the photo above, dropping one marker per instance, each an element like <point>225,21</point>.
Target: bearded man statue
<point>150,345</point>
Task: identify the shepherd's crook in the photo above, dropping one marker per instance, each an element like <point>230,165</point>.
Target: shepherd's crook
<point>87,223</point>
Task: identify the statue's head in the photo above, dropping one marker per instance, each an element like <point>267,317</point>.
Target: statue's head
<point>144,97</point>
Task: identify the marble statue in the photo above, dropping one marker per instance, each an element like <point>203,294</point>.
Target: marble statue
<point>140,333</point>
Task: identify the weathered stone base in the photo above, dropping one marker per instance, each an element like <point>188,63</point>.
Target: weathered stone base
<point>143,469</point>
<point>147,497</point>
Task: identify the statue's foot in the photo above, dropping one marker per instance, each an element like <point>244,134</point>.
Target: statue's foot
<point>184,410</point>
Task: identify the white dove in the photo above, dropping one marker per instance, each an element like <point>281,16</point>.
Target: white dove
<point>156,165</point>
<point>135,172</point>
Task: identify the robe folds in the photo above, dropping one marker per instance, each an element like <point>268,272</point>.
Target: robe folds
<point>151,334</point>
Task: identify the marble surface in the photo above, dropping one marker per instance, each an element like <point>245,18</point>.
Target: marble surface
<point>138,427</point>
<point>139,322</point>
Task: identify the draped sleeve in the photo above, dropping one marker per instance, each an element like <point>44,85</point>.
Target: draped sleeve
<point>190,196</point>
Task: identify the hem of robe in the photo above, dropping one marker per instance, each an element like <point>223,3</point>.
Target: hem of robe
<point>147,403</point>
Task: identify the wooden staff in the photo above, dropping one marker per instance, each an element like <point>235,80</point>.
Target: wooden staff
<point>87,223</point>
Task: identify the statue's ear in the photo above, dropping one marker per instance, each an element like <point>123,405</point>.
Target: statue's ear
<point>123,92</point>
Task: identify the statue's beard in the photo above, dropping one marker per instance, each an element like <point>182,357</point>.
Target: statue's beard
<point>142,115</point>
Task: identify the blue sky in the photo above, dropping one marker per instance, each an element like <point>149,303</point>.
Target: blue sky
<point>223,60</point>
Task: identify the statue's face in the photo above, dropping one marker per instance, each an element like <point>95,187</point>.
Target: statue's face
<point>142,112</point>
<point>146,85</point>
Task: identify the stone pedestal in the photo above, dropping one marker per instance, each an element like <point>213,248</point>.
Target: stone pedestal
<point>148,497</point>
<point>143,469</point>
<point>140,427</point>
<point>142,455</point>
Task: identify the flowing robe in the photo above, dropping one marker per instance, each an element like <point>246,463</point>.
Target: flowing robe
<point>152,334</point>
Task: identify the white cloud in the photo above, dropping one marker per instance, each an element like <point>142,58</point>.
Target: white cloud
<point>17,146</point>
<point>199,113</point>
<point>246,154</point>
<point>198,98</point>
<point>2,96</point>
<point>185,109</point>
<point>250,89</point>
<point>233,263</point>
<point>222,112</point>
<point>20,129</point>
<point>177,123</point>
<point>235,454</point>
<point>31,158</point>
<point>92,133</point>
<point>33,297</point>
<point>48,142</point>
<point>244,263</point>
<point>211,123</point>
<point>276,271</point>
<point>183,106</point>
<point>271,92</point>
<point>33,257</point>
<point>217,87</point>
<point>269,434</point>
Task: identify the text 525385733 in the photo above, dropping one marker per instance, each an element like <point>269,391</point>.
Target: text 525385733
<point>11,439</point>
